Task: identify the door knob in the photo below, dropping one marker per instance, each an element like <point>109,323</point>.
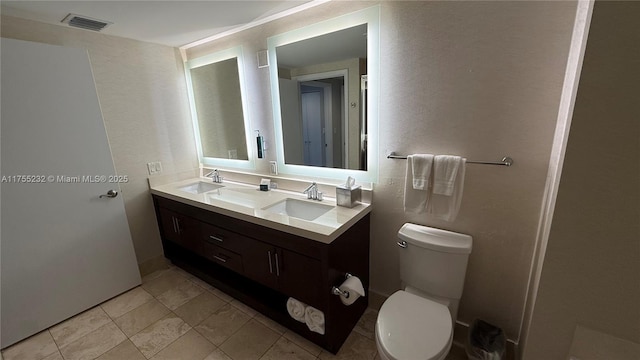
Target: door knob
<point>110,194</point>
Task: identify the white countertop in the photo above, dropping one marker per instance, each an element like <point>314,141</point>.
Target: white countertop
<point>246,202</point>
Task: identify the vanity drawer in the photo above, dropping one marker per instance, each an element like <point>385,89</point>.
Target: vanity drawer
<point>223,257</point>
<point>223,238</point>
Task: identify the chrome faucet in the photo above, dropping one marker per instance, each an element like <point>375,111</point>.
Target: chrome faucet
<point>215,176</point>
<point>312,192</point>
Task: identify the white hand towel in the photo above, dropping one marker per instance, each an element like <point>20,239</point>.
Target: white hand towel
<point>446,207</point>
<point>421,165</point>
<point>445,170</point>
<point>414,200</point>
<point>296,309</point>
<point>314,319</point>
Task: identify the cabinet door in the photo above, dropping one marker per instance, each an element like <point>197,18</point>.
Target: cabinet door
<point>299,276</point>
<point>180,229</point>
<point>259,260</point>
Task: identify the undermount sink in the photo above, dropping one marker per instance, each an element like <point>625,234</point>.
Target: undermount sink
<point>298,208</point>
<point>243,197</point>
<point>200,187</point>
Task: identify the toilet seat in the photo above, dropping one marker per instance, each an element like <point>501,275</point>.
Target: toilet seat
<point>413,327</point>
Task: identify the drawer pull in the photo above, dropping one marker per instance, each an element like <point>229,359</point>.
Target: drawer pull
<point>178,228</point>
<point>221,259</point>
<point>216,238</point>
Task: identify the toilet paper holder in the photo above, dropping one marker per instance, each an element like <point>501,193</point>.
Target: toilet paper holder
<point>336,291</point>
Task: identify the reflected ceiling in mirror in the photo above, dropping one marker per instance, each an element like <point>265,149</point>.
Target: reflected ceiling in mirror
<point>322,86</point>
<point>215,84</point>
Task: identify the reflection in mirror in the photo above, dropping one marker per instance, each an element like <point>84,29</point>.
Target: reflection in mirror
<point>217,106</point>
<point>320,86</point>
<point>324,96</point>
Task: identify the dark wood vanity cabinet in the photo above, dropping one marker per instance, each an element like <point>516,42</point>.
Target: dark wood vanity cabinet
<point>180,229</point>
<point>286,271</point>
<point>263,267</point>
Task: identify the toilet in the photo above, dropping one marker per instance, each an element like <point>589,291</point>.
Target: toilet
<point>417,322</point>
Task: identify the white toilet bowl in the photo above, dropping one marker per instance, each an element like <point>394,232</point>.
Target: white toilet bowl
<point>410,327</point>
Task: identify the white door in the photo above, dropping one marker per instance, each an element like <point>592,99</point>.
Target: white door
<point>291,122</point>
<point>313,127</point>
<point>64,248</point>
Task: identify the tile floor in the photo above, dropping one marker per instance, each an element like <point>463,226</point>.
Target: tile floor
<point>176,316</point>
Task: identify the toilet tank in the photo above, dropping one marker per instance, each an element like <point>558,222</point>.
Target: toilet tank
<point>434,261</point>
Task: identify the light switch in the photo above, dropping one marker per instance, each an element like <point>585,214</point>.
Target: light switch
<point>154,167</point>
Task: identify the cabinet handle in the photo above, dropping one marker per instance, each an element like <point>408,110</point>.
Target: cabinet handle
<point>216,238</point>
<point>178,226</point>
<point>277,265</point>
<point>270,265</point>
<point>221,259</point>
<point>175,228</point>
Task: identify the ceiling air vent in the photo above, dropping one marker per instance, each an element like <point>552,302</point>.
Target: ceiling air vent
<point>84,22</point>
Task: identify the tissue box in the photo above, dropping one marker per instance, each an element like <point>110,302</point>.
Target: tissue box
<point>348,197</point>
<point>265,184</point>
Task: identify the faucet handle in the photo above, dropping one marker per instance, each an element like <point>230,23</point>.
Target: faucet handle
<point>312,192</point>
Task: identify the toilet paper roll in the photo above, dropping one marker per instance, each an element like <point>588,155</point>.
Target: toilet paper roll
<point>354,286</point>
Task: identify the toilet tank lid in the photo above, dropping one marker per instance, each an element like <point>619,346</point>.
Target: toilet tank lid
<point>435,239</point>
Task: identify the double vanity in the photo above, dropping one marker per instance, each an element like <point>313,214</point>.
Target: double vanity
<point>263,247</point>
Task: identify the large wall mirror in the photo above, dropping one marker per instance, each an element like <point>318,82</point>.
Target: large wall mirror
<point>216,87</point>
<point>324,80</point>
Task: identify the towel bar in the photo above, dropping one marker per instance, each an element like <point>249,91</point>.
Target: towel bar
<point>506,161</point>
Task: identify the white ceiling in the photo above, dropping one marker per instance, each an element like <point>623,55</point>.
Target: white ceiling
<point>172,23</point>
<point>344,44</point>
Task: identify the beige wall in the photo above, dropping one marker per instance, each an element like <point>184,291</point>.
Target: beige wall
<point>479,79</point>
<point>143,97</point>
<point>591,271</point>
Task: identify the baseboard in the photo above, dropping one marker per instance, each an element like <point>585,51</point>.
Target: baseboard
<point>376,299</point>
<point>152,265</point>
<point>461,332</point>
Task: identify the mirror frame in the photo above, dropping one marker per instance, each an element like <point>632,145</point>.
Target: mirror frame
<point>235,52</point>
<point>371,17</point>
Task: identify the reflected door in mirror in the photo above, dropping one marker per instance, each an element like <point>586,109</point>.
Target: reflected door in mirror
<point>320,99</point>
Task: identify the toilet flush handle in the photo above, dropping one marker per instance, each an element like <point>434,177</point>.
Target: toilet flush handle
<point>402,244</point>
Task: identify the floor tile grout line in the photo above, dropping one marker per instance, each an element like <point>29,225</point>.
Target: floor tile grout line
<point>179,337</point>
<point>164,316</point>
<point>269,348</point>
<point>222,351</point>
<point>148,326</point>
<point>233,333</point>
<point>91,332</point>
<point>291,341</point>
<point>54,342</point>
<point>115,297</point>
